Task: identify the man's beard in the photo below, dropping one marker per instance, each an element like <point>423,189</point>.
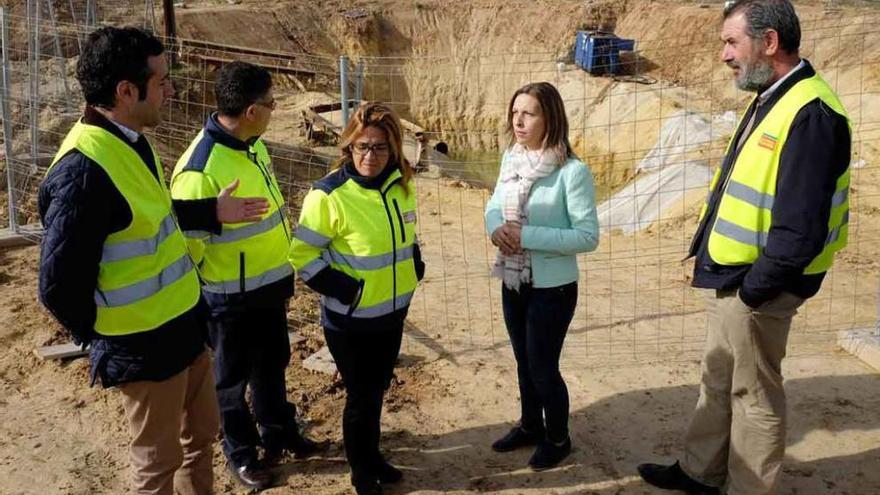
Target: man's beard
<point>753,77</point>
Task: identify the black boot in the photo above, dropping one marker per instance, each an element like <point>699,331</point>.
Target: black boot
<point>516,438</point>
<point>371,487</point>
<point>673,478</point>
<point>548,454</point>
<point>387,473</point>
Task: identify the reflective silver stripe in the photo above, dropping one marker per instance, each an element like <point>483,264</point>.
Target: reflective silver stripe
<point>250,283</point>
<point>839,197</point>
<point>196,234</point>
<point>737,233</point>
<point>141,247</point>
<point>145,288</point>
<point>751,196</point>
<point>309,236</point>
<point>380,309</point>
<point>232,235</point>
<point>312,269</point>
<point>370,262</point>
<point>835,233</point>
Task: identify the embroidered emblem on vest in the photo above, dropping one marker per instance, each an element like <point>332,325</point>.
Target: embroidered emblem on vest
<point>768,141</point>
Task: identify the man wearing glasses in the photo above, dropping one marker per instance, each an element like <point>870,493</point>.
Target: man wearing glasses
<point>775,217</point>
<point>246,277</point>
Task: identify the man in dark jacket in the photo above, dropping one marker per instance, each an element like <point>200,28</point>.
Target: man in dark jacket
<point>776,215</point>
<point>114,269</point>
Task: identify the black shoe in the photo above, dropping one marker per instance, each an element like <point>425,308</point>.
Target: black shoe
<point>301,446</point>
<point>253,476</point>
<point>368,488</point>
<point>673,478</point>
<point>516,438</point>
<point>387,473</point>
<point>298,445</point>
<point>548,455</point>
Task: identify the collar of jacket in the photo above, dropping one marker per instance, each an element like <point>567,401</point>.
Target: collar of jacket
<point>220,135</point>
<point>95,118</point>
<point>799,75</point>
<point>381,182</point>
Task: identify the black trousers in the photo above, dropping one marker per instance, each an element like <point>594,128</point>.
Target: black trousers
<point>252,349</point>
<point>537,320</point>
<point>366,362</point>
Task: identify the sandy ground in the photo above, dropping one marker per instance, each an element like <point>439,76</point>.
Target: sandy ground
<point>631,362</point>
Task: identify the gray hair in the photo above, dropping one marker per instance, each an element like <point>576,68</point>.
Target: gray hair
<point>761,15</point>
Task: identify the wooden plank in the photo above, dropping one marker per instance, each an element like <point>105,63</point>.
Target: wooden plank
<point>70,350</point>
<point>11,239</point>
<point>60,351</point>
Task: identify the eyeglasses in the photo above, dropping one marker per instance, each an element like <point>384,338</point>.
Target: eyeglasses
<point>271,104</point>
<point>378,149</point>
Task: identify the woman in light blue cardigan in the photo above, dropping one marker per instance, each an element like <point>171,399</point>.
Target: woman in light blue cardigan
<point>541,214</point>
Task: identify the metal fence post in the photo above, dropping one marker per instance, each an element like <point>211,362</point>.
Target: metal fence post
<point>7,123</point>
<point>343,88</point>
<point>359,81</point>
<point>34,94</point>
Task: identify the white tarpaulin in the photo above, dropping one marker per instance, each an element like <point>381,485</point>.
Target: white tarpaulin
<point>684,132</point>
<point>669,176</point>
<point>639,204</point>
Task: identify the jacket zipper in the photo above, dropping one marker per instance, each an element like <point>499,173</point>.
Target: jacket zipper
<point>400,220</point>
<point>241,272</point>
<point>393,245</point>
<point>253,158</point>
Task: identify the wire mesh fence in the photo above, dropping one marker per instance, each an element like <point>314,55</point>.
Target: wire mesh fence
<point>651,148</point>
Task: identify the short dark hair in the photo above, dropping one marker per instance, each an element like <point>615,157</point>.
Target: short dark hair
<point>111,55</point>
<point>240,85</point>
<point>761,15</point>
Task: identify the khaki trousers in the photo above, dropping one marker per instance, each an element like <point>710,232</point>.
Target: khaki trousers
<point>173,426</point>
<point>737,433</point>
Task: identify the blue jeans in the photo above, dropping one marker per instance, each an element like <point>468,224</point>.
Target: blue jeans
<point>537,320</point>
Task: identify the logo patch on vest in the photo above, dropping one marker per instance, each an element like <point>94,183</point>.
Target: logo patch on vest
<point>409,217</point>
<point>768,141</point>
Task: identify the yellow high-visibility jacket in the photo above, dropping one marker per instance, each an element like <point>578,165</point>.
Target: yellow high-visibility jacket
<point>366,230</point>
<point>244,257</point>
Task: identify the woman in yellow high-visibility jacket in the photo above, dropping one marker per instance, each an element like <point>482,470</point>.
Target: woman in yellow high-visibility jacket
<point>355,244</point>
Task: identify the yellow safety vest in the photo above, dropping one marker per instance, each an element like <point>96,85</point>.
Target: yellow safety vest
<point>146,277</point>
<point>744,218</point>
<point>245,256</point>
<point>367,233</point>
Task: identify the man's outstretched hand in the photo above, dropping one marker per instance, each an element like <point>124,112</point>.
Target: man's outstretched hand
<point>236,210</point>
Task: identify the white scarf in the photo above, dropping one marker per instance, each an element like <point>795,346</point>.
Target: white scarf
<point>520,169</point>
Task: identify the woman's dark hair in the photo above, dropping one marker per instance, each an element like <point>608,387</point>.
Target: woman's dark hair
<point>380,116</point>
<point>240,85</point>
<point>555,121</point>
<point>112,55</point>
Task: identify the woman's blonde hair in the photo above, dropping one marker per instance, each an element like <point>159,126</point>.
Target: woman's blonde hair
<point>380,116</point>
<point>555,121</point>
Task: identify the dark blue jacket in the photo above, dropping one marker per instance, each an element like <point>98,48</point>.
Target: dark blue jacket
<point>80,207</point>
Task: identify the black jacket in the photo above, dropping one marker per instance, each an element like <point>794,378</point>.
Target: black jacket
<point>815,155</point>
<point>80,207</point>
